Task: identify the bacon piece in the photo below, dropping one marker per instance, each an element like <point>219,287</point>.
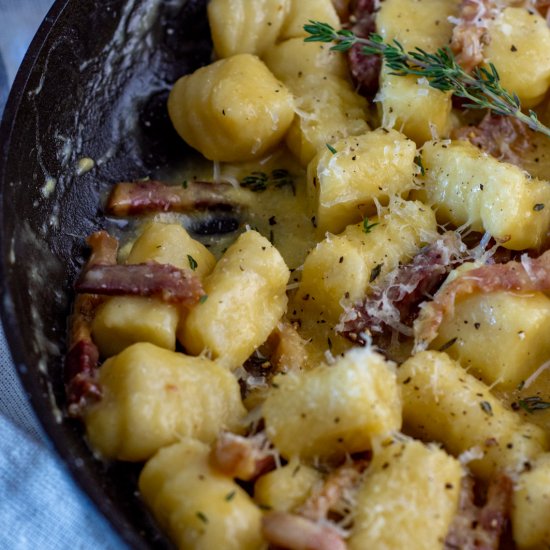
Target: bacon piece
<point>365,68</point>
<point>245,458</point>
<point>83,356</point>
<point>104,249</point>
<point>470,32</point>
<point>164,281</point>
<point>289,352</point>
<point>542,6</point>
<point>525,276</point>
<point>128,199</point>
<point>505,138</point>
<point>395,304</point>
<point>480,528</point>
<point>293,532</point>
<point>332,495</point>
<point>342,8</point>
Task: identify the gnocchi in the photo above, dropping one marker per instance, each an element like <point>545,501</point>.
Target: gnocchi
<point>329,329</point>
<point>222,95</point>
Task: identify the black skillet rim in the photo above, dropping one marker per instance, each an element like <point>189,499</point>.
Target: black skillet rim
<point>43,410</point>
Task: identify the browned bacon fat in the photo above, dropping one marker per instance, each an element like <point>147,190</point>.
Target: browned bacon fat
<point>365,68</point>
<point>543,7</point>
<point>128,199</point>
<point>164,281</point>
<point>333,495</point>
<point>293,532</point>
<point>83,356</point>
<point>527,275</point>
<point>505,138</point>
<point>470,32</point>
<point>394,304</point>
<point>481,528</point>
<point>242,457</point>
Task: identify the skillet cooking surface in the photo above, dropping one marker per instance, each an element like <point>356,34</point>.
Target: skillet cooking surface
<point>93,85</point>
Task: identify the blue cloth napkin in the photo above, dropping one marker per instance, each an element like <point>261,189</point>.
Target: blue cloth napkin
<point>41,507</point>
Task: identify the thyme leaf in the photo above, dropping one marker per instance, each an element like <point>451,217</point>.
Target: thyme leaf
<point>481,89</point>
<point>192,262</point>
<point>260,181</point>
<point>533,403</point>
<point>368,227</point>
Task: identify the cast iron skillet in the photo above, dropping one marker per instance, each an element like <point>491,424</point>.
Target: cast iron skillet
<point>93,84</point>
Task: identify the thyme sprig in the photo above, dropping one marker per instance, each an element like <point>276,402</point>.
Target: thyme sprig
<point>482,88</point>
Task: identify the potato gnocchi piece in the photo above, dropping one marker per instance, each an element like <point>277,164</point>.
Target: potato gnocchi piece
<point>410,104</point>
<point>519,47</point>
<point>300,13</point>
<point>125,320</point>
<point>417,23</point>
<point>343,408</point>
<point>286,488</point>
<point>517,327</point>
<point>442,402</point>
<point>152,397</point>
<point>327,109</point>
<point>246,299</point>
<point>247,106</point>
<point>341,268</point>
<point>344,185</point>
<point>408,499</point>
<point>294,59</point>
<point>199,507</point>
<point>170,243</point>
<point>531,506</point>
<point>470,187</point>
<point>242,26</point>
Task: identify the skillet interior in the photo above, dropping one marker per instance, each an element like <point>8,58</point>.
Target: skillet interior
<point>93,85</point>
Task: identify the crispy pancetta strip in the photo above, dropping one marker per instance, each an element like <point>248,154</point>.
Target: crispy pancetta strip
<point>525,276</point>
<point>365,68</point>
<point>129,199</point>
<point>394,305</point>
<point>332,495</point>
<point>480,528</point>
<point>240,457</point>
<point>164,281</point>
<point>83,356</point>
<point>470,32</point>
<point>292,532</point>
<point>505,138</point>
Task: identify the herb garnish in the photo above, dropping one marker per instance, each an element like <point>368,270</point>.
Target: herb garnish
<point>482,88</point>
<point>448,344</point>
<point>375,273</point>
<point>203,298</point>
<point>533,403</point>
<point>192,262</point>
<point>418,162</point>
<point>202,517</point>
<point>331,148</point>
<point>367,227</point>
<point>486,407</point>
<point>259,181</point>
<point>230,496</point>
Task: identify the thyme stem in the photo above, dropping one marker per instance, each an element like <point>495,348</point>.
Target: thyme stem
<point>482,88</point>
